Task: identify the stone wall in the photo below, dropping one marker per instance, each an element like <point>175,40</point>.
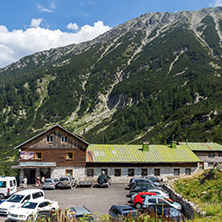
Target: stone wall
<point>78,172</point>
<point>189,209</point>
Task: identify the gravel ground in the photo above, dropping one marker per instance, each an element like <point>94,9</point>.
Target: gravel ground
<point>97,200</point>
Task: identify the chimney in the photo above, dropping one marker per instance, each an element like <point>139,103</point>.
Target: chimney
<point>145,146</point>
<point>173,144</point>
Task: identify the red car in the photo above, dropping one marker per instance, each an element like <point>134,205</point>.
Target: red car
<point>139,198</point>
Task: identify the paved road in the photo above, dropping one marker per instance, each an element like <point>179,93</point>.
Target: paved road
<point>97,200</point>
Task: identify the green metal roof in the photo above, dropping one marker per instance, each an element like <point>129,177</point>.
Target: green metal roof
<point>203,146</point>
<point>101,153</point>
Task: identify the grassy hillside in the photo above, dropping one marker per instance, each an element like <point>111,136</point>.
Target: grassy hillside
<point>205,190</point>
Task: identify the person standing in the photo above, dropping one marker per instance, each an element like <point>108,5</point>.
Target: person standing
<point>38,181</point>
<point>43,180</point>
<point>25,181</point>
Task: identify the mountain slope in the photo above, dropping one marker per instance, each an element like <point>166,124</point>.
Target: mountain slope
<point>156,77</point>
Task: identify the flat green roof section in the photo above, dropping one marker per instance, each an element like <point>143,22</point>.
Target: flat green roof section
<point>203,146</point>
<point>101,153</point>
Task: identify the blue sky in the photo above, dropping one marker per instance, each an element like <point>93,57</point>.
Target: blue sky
<point>28,26</point>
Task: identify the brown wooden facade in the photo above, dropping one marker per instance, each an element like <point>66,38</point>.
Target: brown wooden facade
<point>56,150</point>
<point>52,150</point>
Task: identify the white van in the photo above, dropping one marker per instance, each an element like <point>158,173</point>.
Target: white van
<point>19,198</point>
<point>8,186</point>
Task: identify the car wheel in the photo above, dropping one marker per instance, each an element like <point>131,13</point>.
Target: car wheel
<point>138,205</point>
<point>30,218</point>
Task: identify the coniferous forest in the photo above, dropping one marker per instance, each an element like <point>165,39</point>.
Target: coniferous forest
<point>154,78</point>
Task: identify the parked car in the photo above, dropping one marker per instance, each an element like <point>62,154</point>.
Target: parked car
<point>103,181</point>
<point>143,184</point>
<point>142,188</point>
<point>29,210</point>
<point>122,210</point>
<point>156,181</point>
<point>159,192</point>
<point>139,198</point>
<point>19,198</point>
<point>137,181</point>
<point>66,182</point>
<point>80,213</point>
<point>50,183</point>
<point>158,200</point>
<point>8,186</point>
<point>170,212</point>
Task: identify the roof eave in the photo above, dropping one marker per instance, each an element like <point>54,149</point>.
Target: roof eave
<point>47,131</point>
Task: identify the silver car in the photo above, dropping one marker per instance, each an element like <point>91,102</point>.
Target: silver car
<point>80,213</point>
<point>50,183</point>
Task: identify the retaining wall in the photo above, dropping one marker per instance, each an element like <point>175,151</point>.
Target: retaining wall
<point>189,209</point>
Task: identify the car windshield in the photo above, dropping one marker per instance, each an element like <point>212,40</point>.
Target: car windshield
<point>16,198</point>
<point>29,205</point>
<point>64,178</point>
<point>48,181</point>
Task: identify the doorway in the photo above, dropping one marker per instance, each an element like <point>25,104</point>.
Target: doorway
<point>30,175</point>
<point>46,172</point>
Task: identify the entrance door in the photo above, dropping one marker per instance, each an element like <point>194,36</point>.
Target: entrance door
<point>33,176</point>
<point>46,172</point>
<point>30,174</point>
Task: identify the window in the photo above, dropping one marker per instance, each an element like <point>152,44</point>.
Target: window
<point>49,139</point>
<point>117,173</point>
<point>2,184</point>
<point>69,173</point>
<point>220,154</point>
<point>69,155</point>
<point>38,155</point>
<point>104,171</point>
<point>90,172</point>
<point>211,155</point>
<point>64,139</point>
<point>156,172</point>
<point>152,200</point>
<point>37,195</point>
<point>210,164</point>
<point>10,183</point>
<point>187,171</point>
<point>131,172</point>
<point>26,198</point>
<point>176,172</point>
<point>144,172</point>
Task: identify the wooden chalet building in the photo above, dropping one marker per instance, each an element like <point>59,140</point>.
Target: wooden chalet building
<point>57,152</point>
<point>52,153</point>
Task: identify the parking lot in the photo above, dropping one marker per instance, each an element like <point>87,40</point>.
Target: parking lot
<point>97,200</point>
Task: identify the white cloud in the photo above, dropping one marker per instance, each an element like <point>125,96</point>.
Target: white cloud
<point>73,26</point>
<point>41,8</point>
<point>36,22</point>
<point>216,3</point>
<point>18,43</point>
